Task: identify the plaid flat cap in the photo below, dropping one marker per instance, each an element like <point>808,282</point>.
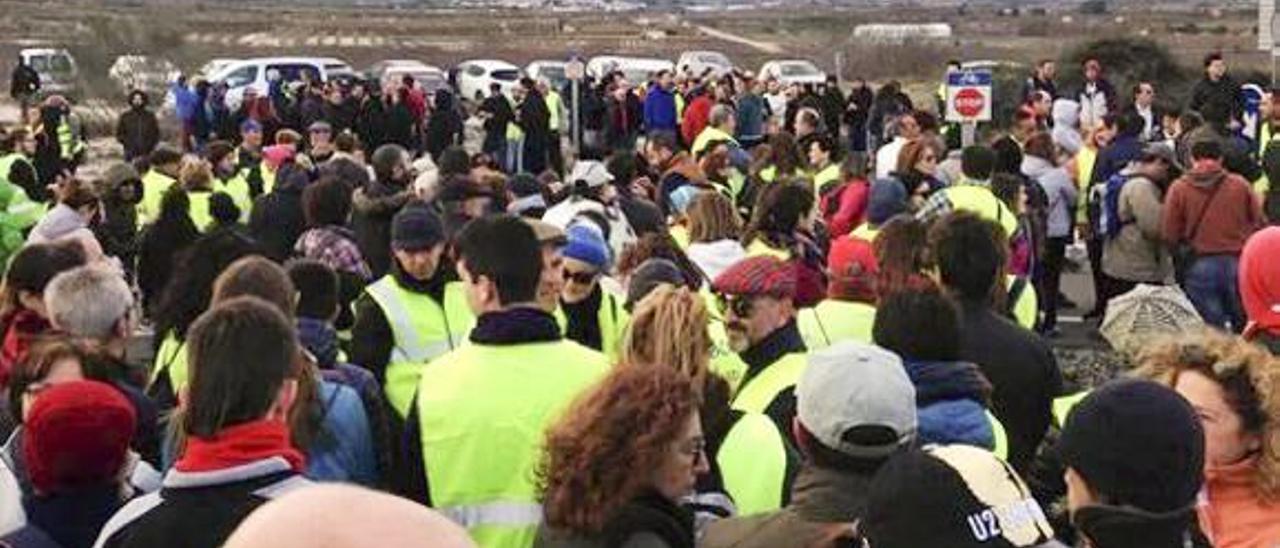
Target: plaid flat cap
<point>760,275</point>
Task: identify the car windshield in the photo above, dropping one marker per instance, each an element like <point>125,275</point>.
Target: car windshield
<point>798,69</point>
<point>713,59</point>
<point>553,73</point>
<point>51,63</point>
<point>637,76</point>
<point>338,69</point>
<point>506,75</point>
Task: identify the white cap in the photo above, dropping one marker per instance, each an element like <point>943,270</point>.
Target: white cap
<point>592,172</point>
<point>852,384</point>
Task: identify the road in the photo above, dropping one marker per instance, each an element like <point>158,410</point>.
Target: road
<point>765,47</point>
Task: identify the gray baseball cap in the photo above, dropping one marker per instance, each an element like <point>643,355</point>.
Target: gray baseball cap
<point>852,384</point>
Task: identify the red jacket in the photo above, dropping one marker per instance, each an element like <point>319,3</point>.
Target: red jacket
<point>20,329</point>
<point>847,208</point>
<point>695,118</point>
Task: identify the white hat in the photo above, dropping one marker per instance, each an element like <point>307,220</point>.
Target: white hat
<point>592,172</point>
<point>852,384</point>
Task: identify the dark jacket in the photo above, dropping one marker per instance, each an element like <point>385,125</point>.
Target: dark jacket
<point>68,520</point>
<point>158,246</point>
<point>444,128</point>
<point>534,119</point>
<point>951,402</point>
<point>500,114</point>
<point>137,130</point>
<point>277,219</point>
<point>117,228</point>
<point>398,125</point>
<point>1128,527</point>
<point>785,340</point>
<point>648,521</point>
<point>199,509</point>
<point>25,81</point>
<point>1222,97</point>
<point>372,208</point>
<point>824,506</point>
<point>1023,372</point>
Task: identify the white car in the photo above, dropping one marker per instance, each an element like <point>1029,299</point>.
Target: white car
<point>472,78</point>
<point>704,62</point>
<point>430,77</point>
<point>637,70</point>
<point>57,69</point>
<point>551,71</point>
<point>792,71</point>
<point>256,73</point>
<point>214,65</point>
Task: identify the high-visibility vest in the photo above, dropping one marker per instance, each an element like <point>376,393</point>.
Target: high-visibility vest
<point>759,248</point>
<point>423,331</point>
<point>986,204</point>
<point>68,141</point>
<point>199,210</point>
<point>613,320</point>
<point>483,411</point>
<point>757,393</point>
<point>1063,406</point>
<point>769,174</point>
<point>1085,160</point>
<point>171,360</point>
<point>1026,309</point>
<point>832,321</point>
<point>752,461</point>
<point>17,214</point>
<point>828,175</point>
<point>154,185</point>
<point>1264,139</point>
<point>724,361</point>
<point>709,135</point>
<point>237,187</point>
<point>1001,437</point>
<point>679,107</point>
<point>555,105</point>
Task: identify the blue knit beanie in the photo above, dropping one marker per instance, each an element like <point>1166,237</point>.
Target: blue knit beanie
<point>586,244</point>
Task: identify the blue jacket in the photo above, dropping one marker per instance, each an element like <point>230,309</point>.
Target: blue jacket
<point>660,109</point>
<point>1113,158</point>
<point>344,449</point>
<point>185,102</point>
<point>950,403</point>
<point>751,117</point>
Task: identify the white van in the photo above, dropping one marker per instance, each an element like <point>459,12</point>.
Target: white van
<point>472,78</point>
<point>58,72</point>
<point>709,62</point>
<point>254,73</point>
<point>636,70</point>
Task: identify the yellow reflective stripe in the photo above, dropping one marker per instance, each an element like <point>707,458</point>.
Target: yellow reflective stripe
<point>1062,406</point>
<point>753,464</point>
<point>409,343</point>
<point>1000,436</point>
<point>517,514</point>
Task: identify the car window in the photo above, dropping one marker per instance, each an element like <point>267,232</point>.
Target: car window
<point>713,59</point>
<point>506,75</point>
<point>475,71</point>
<point>60,63</point>
<point>798,69</point>
<point>242,76</point>
<point>39,63</point>
<point>292,72</point>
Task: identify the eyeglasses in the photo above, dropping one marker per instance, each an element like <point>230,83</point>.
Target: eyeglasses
<point>695,448</point>
<point>741,306</point>
<point>580,278</point>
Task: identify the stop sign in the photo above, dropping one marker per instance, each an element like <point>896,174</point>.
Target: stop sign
<point>969,102</point>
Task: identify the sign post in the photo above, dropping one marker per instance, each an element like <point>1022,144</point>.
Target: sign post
<point>575,71</point>
<point>969,101</point>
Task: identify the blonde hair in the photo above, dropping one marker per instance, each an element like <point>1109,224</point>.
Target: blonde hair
<point>712,218</point>
<point>195,174</point>
<point>669,329</point>
<point>1249,377</point>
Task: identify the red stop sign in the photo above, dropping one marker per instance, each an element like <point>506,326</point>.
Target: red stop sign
<point>969,102</point>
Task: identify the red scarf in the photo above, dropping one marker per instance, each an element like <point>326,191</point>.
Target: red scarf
<point>238,445</point>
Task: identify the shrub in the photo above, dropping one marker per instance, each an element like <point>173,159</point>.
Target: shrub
<point>1126,61</point>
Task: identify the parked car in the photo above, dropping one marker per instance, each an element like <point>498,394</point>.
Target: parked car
<point>149,74</point>
<point>431,78</point>
<point>551,71</point>
<point>472,78</point>
<point>636,70</point>
<point>58,72</point>
<point>792,71</point>
<point>704,62</point>
<point>258,72</point>
<point>214,65</point>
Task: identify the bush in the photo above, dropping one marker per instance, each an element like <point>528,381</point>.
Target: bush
<point>1093,7</point>
<point>1125,62</point>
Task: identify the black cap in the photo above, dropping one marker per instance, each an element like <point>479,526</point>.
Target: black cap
<point>650,274</point>
<point>416,228</point>
<point>1138,443</point>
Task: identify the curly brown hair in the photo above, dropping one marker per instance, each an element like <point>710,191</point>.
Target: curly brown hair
<point>668,329</point>
<point>604,450</point>
<point>1249,377</point>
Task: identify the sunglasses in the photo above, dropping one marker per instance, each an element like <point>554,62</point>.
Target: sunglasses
<point>741,306</point>
<point>580,278</point>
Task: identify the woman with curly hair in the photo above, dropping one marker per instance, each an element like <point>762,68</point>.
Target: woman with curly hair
<point>1234,387</point>
<point>617,464</point>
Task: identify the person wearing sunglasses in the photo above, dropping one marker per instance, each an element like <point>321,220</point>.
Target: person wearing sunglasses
<point>590,316</point>
<point>755,298</point>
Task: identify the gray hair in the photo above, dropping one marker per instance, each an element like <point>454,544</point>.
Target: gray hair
<point>88,301</point>
<point>720,114</point>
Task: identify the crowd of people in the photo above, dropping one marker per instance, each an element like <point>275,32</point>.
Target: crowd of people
<point>740,314</point>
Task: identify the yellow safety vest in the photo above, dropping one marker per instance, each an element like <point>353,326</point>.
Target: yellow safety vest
<point>709,135</point>
<point>1000,435</point>
<point>1027,308</point>
<point>832,321</point>
<point>171,360</point>
<point>613,320</point>
<point>1063,406</point>
<point>154,185</point>
<point>1264,139</point>
<point>829,174</point>
<point>483,411</point>
<point>555,105</point>
<point>759,248</point>
<point>679,106</point>
<point>724,361</point>
<point>17,214</point>
<point>199,210</point>
<point>423,330</point>
<point>1085,160</point>
<point>238,189</point>
<point>680,234</point>
<point>986,204</point>
<point>768,174</point>
<point>758,392</point>
<point>753,464</point>
<point>70,144</point>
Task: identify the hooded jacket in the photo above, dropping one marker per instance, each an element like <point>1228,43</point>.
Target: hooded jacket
<point>137,130</point>
<point>372,208</point>
<point>277,219</point>
<point>1228,221</point>
<point>444,128</point>
<point>951,402</point>
<point>1066,126</point>
<point>1128,527</point>
<point>118,229</point>
<point>1059,189</point>
<point>1138,252</point>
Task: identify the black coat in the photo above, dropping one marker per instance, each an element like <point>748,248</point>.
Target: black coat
<point>25,81</point>
<point>138,131</point>
<point>444,128</point>
<point>1209,97</point>
<point>277,219</point>
<point>372,208</point>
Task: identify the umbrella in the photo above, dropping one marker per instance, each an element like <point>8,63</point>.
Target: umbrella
<point>1148,311</point>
